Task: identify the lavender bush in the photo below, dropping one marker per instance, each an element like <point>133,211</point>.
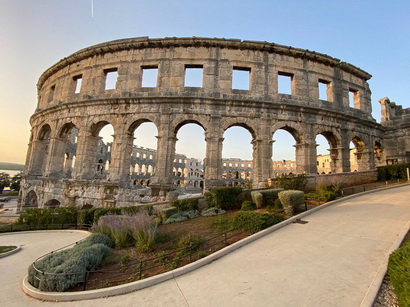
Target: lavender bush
<point>143,230</point>
<point>123,229</point>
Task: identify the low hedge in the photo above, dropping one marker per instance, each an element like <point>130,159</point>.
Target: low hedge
<point>67,268</point>
<point>225,198</point>
<point>395,171</point>
<point>71,215</point>
<point>186,204</point>
<point>48,216</point>
<point>255,221</point>
<point>291,200</point>
<point>399,273</point>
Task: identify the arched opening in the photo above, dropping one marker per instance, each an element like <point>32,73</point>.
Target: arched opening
<point>144,146</point>
<point>328,157</point>
<point>357,158</point>
<point>190,152</point>
<point>52,203</point>
<point>104,133</point>
<point>237,150</point>
<point>68,137</point>
<point>284,151</point>
<point>379,154</point>
<point>31,200</point>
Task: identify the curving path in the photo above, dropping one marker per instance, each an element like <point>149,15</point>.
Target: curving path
<point>338,258</point>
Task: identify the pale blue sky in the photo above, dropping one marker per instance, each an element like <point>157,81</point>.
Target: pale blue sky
<point>373,35</point>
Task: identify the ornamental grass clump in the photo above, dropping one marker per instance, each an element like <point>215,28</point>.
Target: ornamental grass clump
<point>143,229</point>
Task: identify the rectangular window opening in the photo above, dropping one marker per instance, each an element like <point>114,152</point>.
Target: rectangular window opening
<point>51,94</point>
<point>111,76</point>
<point>241,78</point>
<point>323,88</point>
<point>149,76</point>
<point>354,98</point>
<point>78,82</point>
<point>193,75</point>
<point>285,83</point>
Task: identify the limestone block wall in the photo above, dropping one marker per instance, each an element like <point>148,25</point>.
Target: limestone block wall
<point>108,84</point>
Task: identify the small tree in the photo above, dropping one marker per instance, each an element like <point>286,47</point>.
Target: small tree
<point>4,181</point>
<point>15,182</point>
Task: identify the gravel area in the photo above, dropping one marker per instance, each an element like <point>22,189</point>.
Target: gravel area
<point>386,297</point>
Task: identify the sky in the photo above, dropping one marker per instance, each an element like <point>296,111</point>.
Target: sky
<point>373,35</point>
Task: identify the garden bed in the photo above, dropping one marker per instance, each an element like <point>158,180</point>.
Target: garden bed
<point>128,264</point>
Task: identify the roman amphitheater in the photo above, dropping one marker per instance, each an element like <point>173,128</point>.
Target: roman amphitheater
<point>68,165</point>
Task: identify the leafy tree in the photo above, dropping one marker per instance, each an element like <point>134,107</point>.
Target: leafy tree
<point>15,182</point>
<point>4,181</point>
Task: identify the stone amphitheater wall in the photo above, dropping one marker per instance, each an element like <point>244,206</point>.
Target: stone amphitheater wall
<point>169,104</point>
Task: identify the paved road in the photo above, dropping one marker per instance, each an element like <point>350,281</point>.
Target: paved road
<point>336,259</point>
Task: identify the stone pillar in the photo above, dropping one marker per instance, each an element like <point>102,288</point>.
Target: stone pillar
<point>55,162</point>
<point>213,157</point>
<point>85,163</point>
<point>121,158</point>
<point>344,153</point>
<point>306,157</point>
<point>262,161</point>
<point>161,183</point>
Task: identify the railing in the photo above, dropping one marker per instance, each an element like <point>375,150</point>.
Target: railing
<point>370,186</point>
<point>136,270</point>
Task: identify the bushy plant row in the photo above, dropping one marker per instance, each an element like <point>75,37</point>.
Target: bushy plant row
<point>395,171</point>
<point>186,204</point>
<point>225,198</point>
<point>67,268</point>
<point>399,273</point>
<point>49,216</point>
<point>137,229</point>
<point>70,215</point>
<point>325,192</point>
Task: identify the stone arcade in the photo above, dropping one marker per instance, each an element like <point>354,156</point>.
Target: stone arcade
<point>75,102</point>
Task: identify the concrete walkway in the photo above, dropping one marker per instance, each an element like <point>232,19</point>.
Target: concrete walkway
<point>338,258</point>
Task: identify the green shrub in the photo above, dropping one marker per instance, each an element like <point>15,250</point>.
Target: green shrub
<point>255,221</point>
<point>399,273</point>
<point>167,212</point>
<point>291,200</point>
<point>292,182</point>
<point>225,198</point>
<point>327,192</point>
<point>389,172</point>
<point>48,216</point>
<point>212,211</point>
<point>85,216</point>
<point>67,268</point>
<point>257,198</point>
<point>248,206</point>
<point>186,204</point>
<point>269,196</point>
<point>222,224</point>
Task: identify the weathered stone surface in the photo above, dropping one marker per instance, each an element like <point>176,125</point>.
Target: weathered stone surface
<point>67,113</point>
